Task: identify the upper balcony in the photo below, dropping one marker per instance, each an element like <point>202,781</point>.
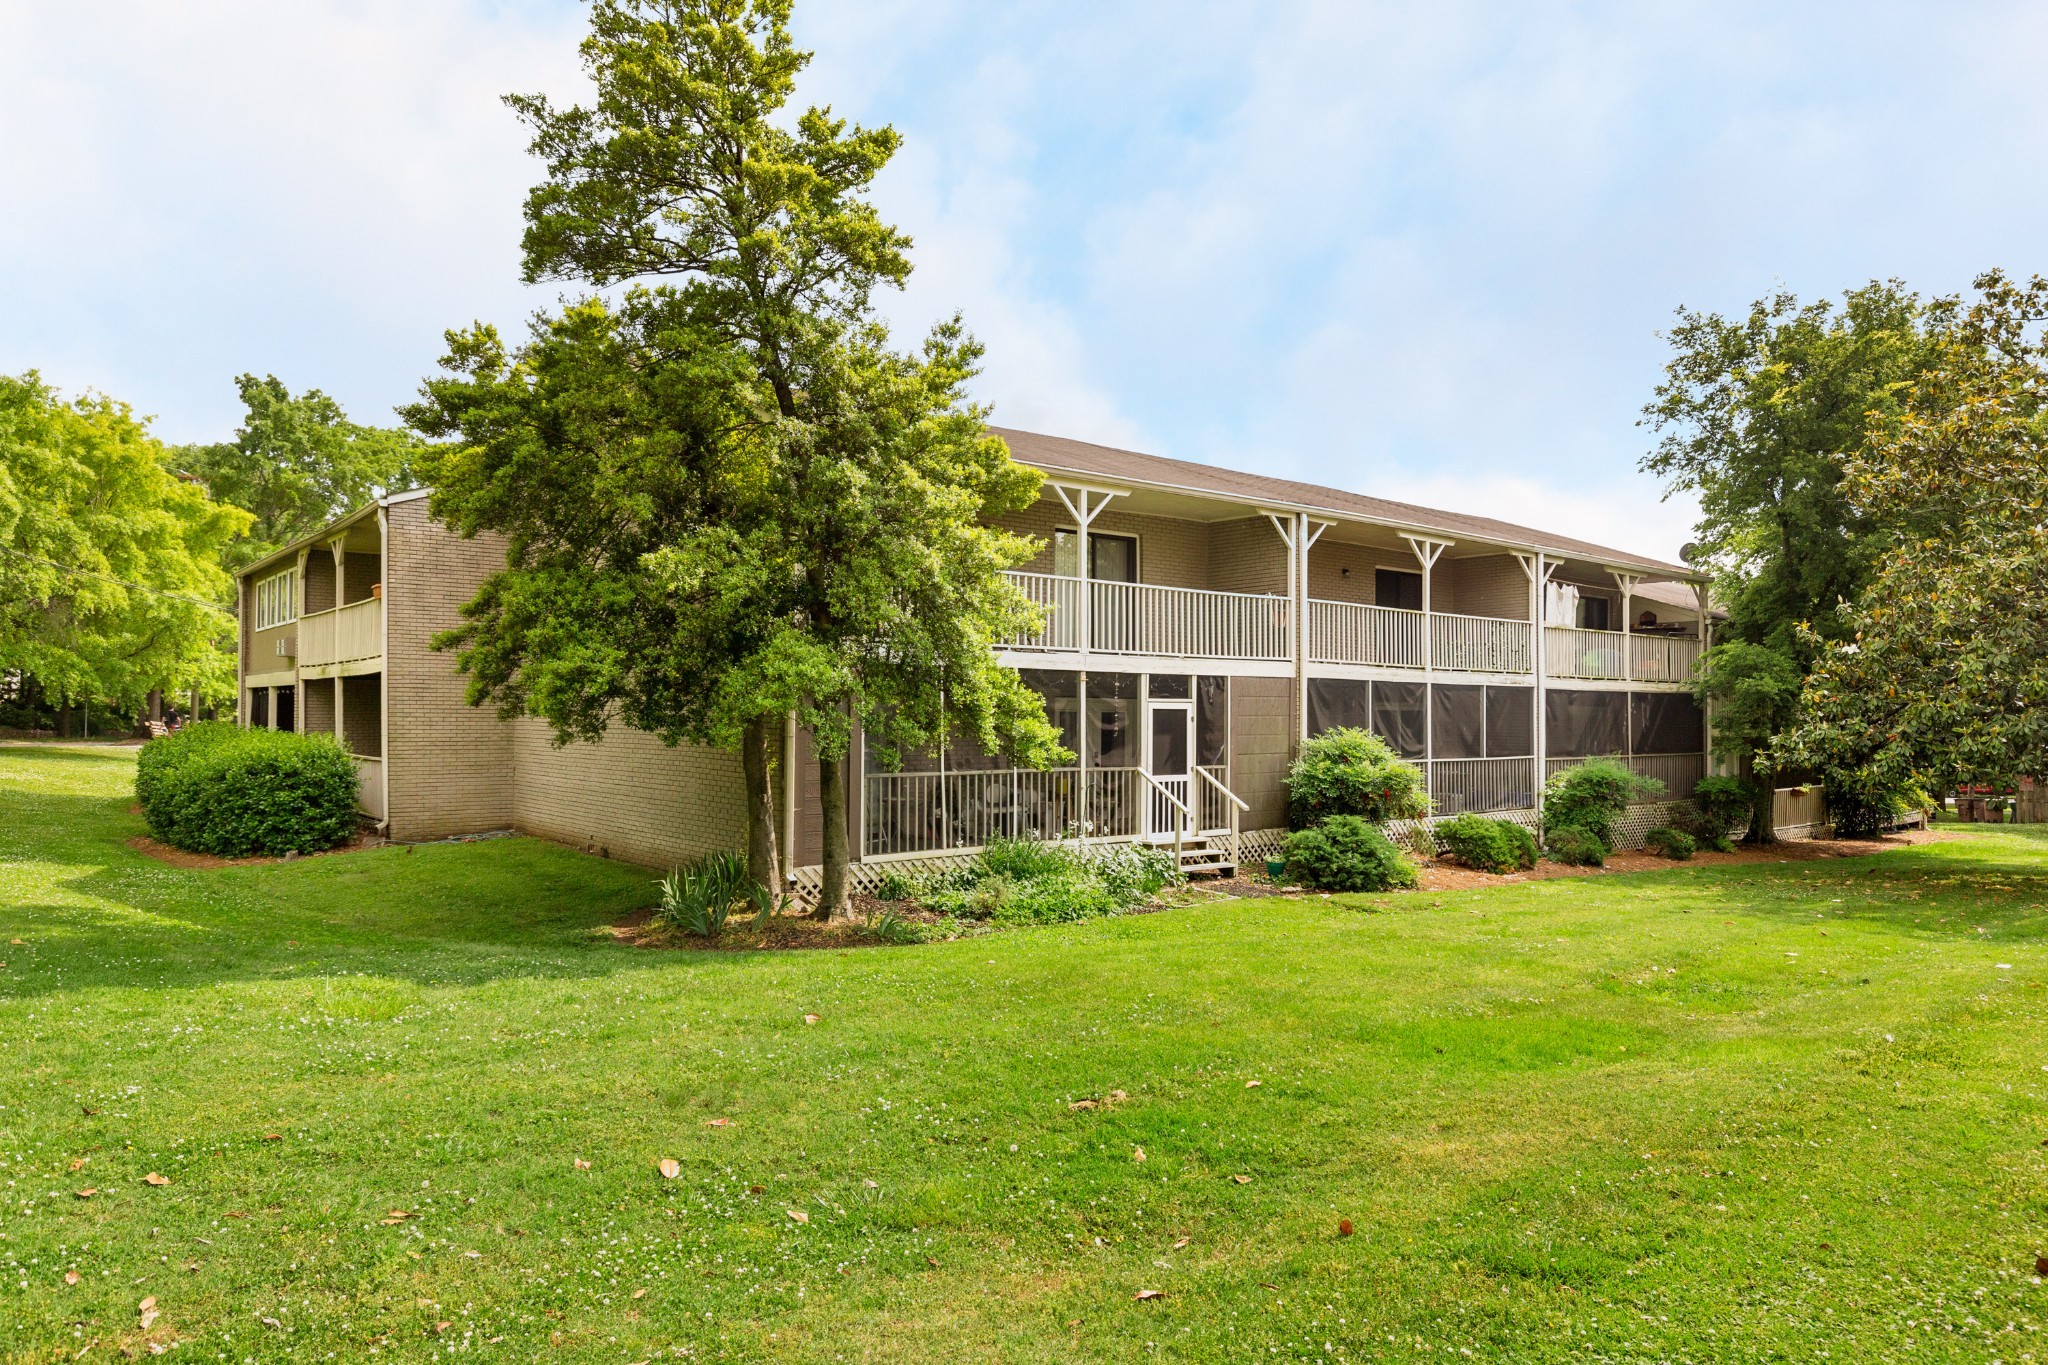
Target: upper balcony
<point>343,638</point>
<point>1571,652</point>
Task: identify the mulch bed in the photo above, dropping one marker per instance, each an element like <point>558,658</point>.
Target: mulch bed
<point>178,857</point>
<point>1439,875</point>
<point>790,931</point>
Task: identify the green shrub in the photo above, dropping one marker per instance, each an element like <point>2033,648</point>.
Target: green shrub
<point>1575,845</point>
<point>1020,881</point>
<point>234,793</point>
<point>895,885</point>
<point>1488,845</point>
<point>701,895</point>
<point>1672,842</point>
<point>1353,772</point>
<point>1590,795</point>
<point>1347,853</point>
<point>1720,804</point>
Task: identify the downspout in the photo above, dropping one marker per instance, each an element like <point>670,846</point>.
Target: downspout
<point>789,802</point>
<point>384,679</point>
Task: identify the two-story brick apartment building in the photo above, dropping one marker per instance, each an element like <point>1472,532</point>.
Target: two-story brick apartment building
<point>1199,623</point>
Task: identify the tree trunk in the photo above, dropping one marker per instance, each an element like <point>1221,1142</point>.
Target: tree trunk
<point>763,863</point>
<point>1763,802</point>
<point>835,900</point>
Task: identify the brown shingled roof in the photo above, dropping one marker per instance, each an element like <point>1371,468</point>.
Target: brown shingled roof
<point>1057,454</point>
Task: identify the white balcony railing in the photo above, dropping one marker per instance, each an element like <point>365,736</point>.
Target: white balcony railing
<point>1664,658</point>
<point>343,635</point>
<point>906,813</point>
<point>1569,652</point>
<point>1479,644</point>
<point>1149,619</point>
<point>1355,633</point>
<point>1459,786</point>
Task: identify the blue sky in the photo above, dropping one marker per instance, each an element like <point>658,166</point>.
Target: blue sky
<point>1421,251</point>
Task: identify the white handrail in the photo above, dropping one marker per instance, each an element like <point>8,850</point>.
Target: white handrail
<point>1215,782</point>
<point>1160,787</point>
<point>1238,805</point>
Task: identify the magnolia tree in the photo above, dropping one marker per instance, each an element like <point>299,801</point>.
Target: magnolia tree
<point>728,498</point>
<point>1938,673</point>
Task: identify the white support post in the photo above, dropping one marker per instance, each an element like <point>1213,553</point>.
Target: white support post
<point>1286,524</point>
<point>1084,504</point>
<point>1428,551</point>
<point>789,802</point>
<point>1307,532</point>
<point>1627,582</point>
<point>1539,568</point>
<point>1701,593</point>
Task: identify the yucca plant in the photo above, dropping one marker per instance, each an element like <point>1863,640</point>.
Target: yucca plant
<point>699,896</point>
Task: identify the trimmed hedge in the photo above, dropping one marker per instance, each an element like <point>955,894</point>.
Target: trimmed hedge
<point>1347,853</point>
<point>1672,842</point>
<point>1575,846</point>
<point>217,788</point>
<point>1487,845</point>
<point>1591,796</point>
<point>1352,772</point>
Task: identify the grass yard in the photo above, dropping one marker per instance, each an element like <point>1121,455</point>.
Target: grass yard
<point>1778,1112</point>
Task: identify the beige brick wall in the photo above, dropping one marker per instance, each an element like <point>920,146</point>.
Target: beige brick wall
<point>1489,585</point>
<point>449,765</point>
<point>362,713</point>
<point>1247,555</point>
<point>1170,552</point>
<point>1261,744</point>
<point>316,588</point>
<point>629,796</point>
<point>359,574</point>
<point>316,706</point>
<point>1327,580</point>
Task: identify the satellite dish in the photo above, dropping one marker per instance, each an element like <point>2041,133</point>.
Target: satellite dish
<point>1689,552</point>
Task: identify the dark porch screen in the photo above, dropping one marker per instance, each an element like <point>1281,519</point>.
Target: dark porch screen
<point>1584,723</point>
<point>1061,694</point>
<point>1510,722</point>
<point>1667,723</point>
<point>1398,717</point>
<point>259,707</point>
<point>1335,702</point>
<point>1212,721</point>
<point>1113,720</point>
<point>1459,718</point>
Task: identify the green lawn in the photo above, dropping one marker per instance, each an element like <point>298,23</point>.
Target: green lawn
<point>1786,1112</point>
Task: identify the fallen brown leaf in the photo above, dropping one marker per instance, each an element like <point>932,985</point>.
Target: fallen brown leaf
<point>1149,1294</point>
<point>147,1311</point>
<point>1343,1227</point>
<point>1252,1085</point>
<point>757,1189</point>
<point>1264,1285</point>
<point>581,1164</point>
<point>2041,1265</point>
<point>236,1213</point>
<point>640,1293</point>
<point>810,1018</point>
<point>273,1137</point>
<point>1138,1154</point>
<point>441,1327</point>
<point>79,1164</point>
<point>670,1168</point>
<point>1117,1097</point>
<point>154,1179</point>
<point>87,1193</point>
<point>71,1277</point>
<point>1082,1104</point>
<point>718,1123</point>
<point>1242,1179</point>
<point>1182,1242</point>
<point>932,1261</point>
<point>798,1214</point>
<point>396,1216</point>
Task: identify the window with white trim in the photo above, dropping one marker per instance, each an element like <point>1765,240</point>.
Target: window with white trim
<point>277,600</point>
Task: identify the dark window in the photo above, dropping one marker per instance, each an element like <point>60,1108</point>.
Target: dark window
<point>287,711</point>
<point>1581,724</point>
<point>1398,716</point>
<point>259,707</point>
<point>1212,721</point>
<point>1592,613</point>
<point>1113,559</point>
<point>1667,723</point>
<point>1335,702</point>
<point>1458,721</point>
<point>1394,588</point>
<point>1510,722</point>
<point>1112,720</point>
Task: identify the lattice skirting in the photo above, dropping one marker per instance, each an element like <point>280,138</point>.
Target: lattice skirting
<point>1255,846</point>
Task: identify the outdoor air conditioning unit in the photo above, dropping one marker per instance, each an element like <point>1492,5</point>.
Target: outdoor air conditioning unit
<point>287,646</point>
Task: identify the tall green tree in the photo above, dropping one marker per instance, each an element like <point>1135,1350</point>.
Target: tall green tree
<point>810,537</point>
<point>111,584</point>
<point>1939,671</point>
<point>1760,417</point>
<point>296,463</point>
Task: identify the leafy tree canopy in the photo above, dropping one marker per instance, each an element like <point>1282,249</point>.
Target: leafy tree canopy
<point>297,463</point>
<point>111,583</point>
<point>1939,672</point>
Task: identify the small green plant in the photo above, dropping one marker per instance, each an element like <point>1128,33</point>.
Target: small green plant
<point>1720,805</point>
<point>699,896</point>
<point>1672,842</point>
<point>1487,845</point>
<point>1026,881</point>
<point>217,788</point>
<point>1353,772</point>
<point>1591,796</point>
<point>1575,846</point>
<point>895,885</point>
<point>891,927</point>
<point>1347,853</point>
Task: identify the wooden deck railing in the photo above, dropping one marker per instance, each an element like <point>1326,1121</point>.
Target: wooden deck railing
<point>342,635</point>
